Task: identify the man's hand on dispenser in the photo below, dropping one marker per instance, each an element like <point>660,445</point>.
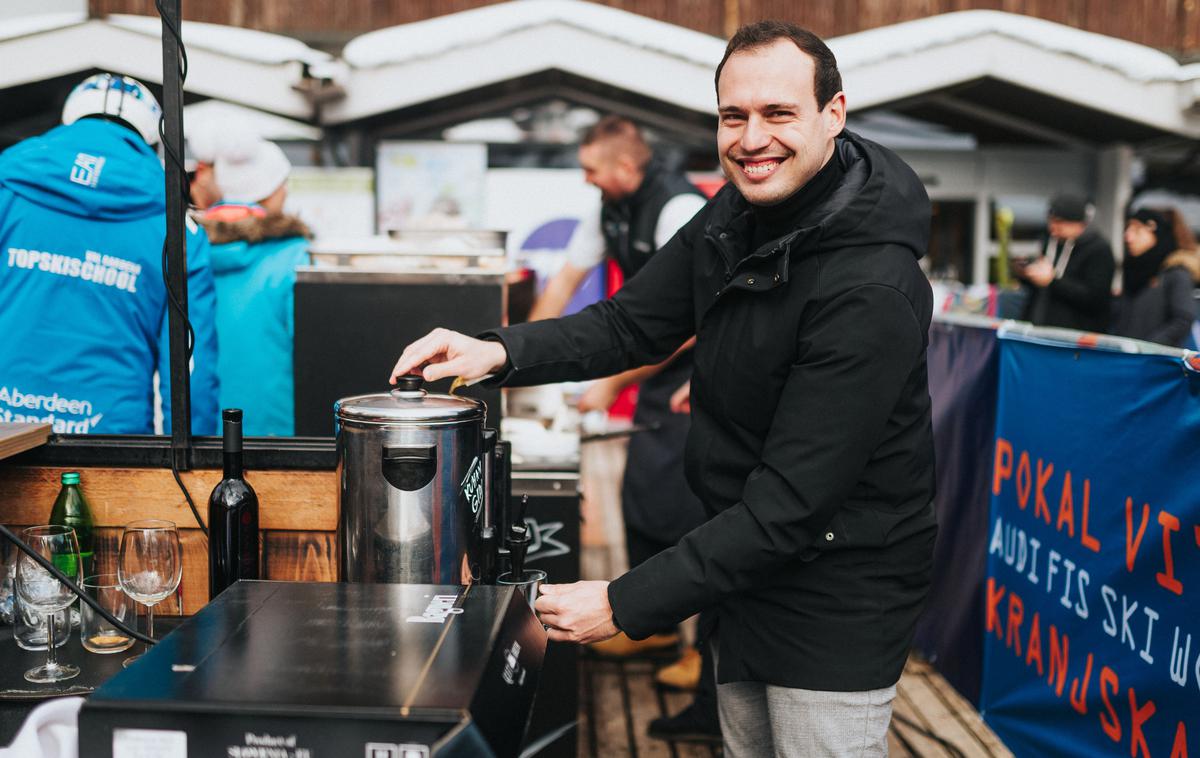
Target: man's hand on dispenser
<point>576,612</point>
<point>443,353</point>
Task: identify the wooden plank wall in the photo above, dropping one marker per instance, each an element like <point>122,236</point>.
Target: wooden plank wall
<point>297,516</point>
<point>1171,25</point>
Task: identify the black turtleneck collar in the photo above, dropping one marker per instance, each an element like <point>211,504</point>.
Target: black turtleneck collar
<point>774,221</point>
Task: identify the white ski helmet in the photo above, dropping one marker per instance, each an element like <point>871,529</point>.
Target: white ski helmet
<point>112,96</point>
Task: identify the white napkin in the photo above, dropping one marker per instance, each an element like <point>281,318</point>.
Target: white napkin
<point>50,731</point>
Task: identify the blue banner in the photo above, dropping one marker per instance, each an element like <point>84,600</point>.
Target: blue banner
<point>1092,599</point>
<point>963,368</point>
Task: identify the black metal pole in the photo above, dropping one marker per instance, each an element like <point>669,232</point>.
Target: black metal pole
<point>181,405</point>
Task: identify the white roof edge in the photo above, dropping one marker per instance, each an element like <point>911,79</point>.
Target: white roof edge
<point>1159,105</point>
<point>639,54</point>
<point>524,51</point>
<point>233,41</point>
<point>1134,60</point>
<point>97,44</point>
<point>434,36</point>
<point>23,26</point>
<point>440,34</point>
<point>440,48</point>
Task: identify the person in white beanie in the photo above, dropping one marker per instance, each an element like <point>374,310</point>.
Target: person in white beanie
<point>256,249</point>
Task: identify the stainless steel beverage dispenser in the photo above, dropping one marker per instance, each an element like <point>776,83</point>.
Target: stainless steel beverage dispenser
<point>415,481</point>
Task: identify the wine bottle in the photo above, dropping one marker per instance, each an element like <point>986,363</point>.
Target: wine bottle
<point>232,515</point>
<point>71,509</point>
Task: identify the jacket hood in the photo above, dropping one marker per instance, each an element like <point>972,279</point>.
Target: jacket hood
<point>234,242</point>
<point>880,201</point>
<point>92,168</point>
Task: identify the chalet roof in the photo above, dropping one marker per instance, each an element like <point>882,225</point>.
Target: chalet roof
<point>244,66</point>
<point>994,71</point>
<point>413,63</point>
<point>995,75</point>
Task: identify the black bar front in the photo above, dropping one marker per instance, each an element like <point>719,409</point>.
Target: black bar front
<point>176,273</point>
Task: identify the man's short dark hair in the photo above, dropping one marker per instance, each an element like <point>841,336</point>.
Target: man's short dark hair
<point>623,134</point>
<point>827,80</point>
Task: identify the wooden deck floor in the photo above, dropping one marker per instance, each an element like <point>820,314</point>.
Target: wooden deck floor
<point>618,700</point>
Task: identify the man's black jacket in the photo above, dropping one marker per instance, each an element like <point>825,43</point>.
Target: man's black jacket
<point>1082,297</point>
<point>811,444</point>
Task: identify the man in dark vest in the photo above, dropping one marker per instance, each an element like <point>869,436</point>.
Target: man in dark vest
<point>643,207</point>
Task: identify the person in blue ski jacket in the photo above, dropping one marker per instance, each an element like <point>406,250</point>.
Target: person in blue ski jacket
<point>83,306</point>
<point>255,251</point>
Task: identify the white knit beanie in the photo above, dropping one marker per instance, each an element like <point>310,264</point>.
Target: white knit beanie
<point>250,172</point>
<point>202,141</point>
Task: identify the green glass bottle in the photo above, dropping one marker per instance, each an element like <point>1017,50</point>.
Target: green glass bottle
<point>71,509</point>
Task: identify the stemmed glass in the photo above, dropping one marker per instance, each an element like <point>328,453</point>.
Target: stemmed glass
<point>40,591</point>
<point>149,565</point>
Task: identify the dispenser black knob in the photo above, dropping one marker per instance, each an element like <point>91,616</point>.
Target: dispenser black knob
<point>410,383</point>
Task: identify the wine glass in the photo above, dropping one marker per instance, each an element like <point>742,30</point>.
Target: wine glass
<point>42,592</point>
<point>149,565</point>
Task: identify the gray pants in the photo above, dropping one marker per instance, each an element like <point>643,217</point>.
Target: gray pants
<point>761,720</point>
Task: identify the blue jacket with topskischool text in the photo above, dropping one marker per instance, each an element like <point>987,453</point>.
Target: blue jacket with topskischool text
<point>83,307</point>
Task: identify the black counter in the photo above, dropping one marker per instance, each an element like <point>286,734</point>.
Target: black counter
<point>332,669</point>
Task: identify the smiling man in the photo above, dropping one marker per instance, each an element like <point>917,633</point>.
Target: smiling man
<point>811,442</point>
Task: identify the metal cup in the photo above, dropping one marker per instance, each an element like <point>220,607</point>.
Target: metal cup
<point>96,633</point>
<point>529,583</point>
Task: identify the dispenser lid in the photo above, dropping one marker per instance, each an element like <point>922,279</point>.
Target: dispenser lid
<point>408,403</point>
